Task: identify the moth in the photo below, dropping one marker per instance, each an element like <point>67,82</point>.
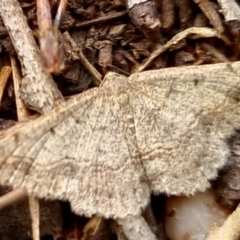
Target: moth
<point>106,149</point>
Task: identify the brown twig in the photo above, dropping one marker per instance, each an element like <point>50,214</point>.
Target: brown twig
<point>22,111</point>
<point>61,10</point>
<point>107,18</point>
<point>231,11</point>
<point>213,51</point>
<point>211,13</point>
<point>23,115</point>
<point>38,90</point>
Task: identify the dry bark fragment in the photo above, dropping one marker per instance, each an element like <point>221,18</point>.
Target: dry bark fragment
<point>211,13</point>
<point>136,228</point>
<point>200,20</point>
<point>231,12</point>
<point>182,58</point>
<point>121,62</point>
<point>144,16</point>
<point>167,14</point>
<point>185,13</point>
<point>105,53</point>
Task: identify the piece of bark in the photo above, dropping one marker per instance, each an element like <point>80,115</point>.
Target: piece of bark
<point>200,20</point>
<point>183,58</point>
<point>136,228</point>
<point>120,61</point>
<point>105,55</point>
<point>231,11</point>
<point>167,14</point>
<point>212,14</point>
<point>77,78</point>
<point>144,16</point>
<point>185,12</point>
<point>38,90</point>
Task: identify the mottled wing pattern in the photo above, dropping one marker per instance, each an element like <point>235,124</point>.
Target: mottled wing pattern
<point>85,152</point>
<point>182,118</point>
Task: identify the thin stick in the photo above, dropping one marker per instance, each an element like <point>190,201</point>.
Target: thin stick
<point>23,114</point>
<point>192,32</point>
<point>12,197</point>
<point>48,37</point>
<point>103,19</point>
<point>22,111</point>
<point>34,207</point>
<point>61,9</point>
